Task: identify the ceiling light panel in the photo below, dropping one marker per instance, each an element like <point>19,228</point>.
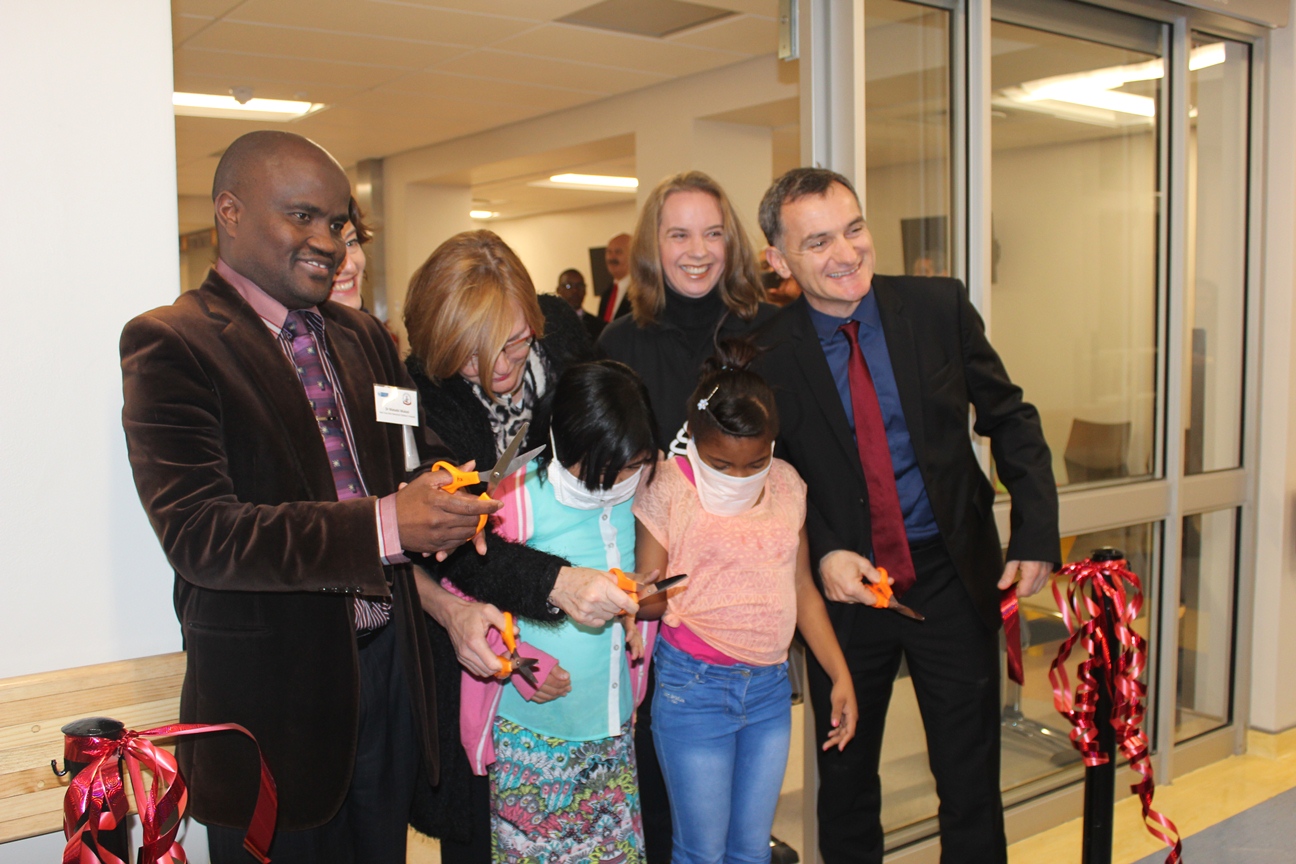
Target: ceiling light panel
<point>656,18</point>
<point>228,108</point>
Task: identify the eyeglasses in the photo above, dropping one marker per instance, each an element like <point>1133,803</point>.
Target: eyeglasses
<point>516,350</point>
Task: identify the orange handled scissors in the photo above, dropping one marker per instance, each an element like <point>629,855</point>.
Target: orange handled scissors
<point>508,462</point>
<point>511,662</point>
<point>631,587</point>
<point>884,597</point>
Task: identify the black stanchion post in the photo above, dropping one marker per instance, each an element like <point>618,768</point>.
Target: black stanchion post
<point>1100,780</point>
<point>116,841</point>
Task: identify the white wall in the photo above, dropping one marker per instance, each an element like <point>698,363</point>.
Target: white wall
<point>1273,645</point>
<point>555,242</point>
<point>417,221</point>
<point>87,162</point>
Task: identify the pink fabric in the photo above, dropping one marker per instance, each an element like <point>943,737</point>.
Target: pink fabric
<point>479,700</point>
<point>389,545</point>
<point>687,641</point>
<point>741,599</point>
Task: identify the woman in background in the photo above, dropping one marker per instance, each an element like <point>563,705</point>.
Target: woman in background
<point>350,276</point>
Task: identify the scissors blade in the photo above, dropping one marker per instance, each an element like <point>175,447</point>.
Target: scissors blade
<point>906,611</point>
<point>662,584</point>
<point>501,469</point>
<point>525,667</point>
<point>523,459</point>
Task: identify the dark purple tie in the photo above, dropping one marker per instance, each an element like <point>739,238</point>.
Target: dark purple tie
<point>369,615</point>
<point>319,390</point>
<point>890,542</point>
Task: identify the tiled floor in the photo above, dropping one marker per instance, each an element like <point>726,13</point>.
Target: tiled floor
<point>1195,802</point>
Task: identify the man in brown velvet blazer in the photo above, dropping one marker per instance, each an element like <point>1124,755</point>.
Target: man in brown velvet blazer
<point>298,610</point>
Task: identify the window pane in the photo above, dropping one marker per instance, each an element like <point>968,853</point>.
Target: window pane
<point>907,192</point>
<point>1218,81</point>
<point>1206,623</point>
<point>1074,283</point>
<point>1037,752</point>
<point>907,136</point>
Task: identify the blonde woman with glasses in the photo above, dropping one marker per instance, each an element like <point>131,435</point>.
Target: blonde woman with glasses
<point>485,352</point>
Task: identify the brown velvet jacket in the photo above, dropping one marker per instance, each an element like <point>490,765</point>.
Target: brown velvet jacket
<point>231,469</point>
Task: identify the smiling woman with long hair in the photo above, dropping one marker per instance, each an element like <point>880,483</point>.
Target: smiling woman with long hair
<point>693,280</point>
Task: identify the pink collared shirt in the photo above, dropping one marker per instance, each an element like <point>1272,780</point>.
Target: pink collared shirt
<point>274,314</point>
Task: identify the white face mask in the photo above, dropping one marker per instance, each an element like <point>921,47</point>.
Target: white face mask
<point>722,494</point>
<point>571,492</point>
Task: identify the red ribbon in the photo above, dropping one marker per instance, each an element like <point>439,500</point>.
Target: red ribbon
<point>1089,623</point>
<point>1012,632</point>
<point>96,797</point>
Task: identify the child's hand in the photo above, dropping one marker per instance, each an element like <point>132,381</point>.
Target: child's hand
<point>557,684</point>
<point>634,642</point>
<point>844,714</point>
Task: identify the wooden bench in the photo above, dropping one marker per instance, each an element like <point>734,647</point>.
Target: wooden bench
<point>141,693</point>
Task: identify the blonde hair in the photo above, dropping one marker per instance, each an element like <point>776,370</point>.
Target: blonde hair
<point>460,304</point>
<point>739,286</point>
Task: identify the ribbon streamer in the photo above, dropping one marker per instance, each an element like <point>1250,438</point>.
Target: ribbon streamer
<point>1089,623</point>
<point>1008,611</point>
<point>96,798</point>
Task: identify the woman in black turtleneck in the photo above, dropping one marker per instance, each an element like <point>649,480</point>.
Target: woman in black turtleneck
<point>692,281</point>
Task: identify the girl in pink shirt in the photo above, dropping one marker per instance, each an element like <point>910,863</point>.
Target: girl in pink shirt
<point>732,517</point>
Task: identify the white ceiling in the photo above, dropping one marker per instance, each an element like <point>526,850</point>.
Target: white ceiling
<point>402,74</point>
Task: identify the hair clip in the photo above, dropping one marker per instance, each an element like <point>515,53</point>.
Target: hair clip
<point>703,403</point>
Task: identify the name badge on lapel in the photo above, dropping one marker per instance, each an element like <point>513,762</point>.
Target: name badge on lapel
<point>399,405</point>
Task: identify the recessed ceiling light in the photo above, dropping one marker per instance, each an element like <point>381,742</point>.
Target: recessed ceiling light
<point>482,214</point>
<point>645,17</point>
<point>601,182</point>
<point>227,107</point>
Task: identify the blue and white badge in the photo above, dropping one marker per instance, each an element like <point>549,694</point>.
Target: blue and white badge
<point>399,405</point>
<point>396,405</point>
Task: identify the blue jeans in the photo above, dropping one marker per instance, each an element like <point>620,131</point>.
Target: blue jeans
<point>722,736</point>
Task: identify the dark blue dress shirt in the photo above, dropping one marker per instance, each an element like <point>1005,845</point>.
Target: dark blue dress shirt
<point>920,523</point>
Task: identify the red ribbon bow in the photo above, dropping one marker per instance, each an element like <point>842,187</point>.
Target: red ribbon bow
<point>1089,624</point>
<point>96,797</point>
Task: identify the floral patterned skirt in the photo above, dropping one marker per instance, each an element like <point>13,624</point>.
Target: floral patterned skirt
<point>564,801</point>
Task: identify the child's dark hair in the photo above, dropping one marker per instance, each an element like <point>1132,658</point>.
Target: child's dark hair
<point>730,398</point>
<point>601,418</point>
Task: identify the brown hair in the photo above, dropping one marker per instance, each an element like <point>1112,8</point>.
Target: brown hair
<point>460,304</point>
<point>793,186</point>
<point>356,217</point>
<point>739,286</point>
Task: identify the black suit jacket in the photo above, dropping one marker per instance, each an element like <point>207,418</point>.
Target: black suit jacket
<point>623,307</point>
<point>231,469</point>
<point>943,364</point>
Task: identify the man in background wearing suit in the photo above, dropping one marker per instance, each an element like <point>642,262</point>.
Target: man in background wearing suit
<point>874,376</point>
<point>278,498</point>
<point>616,300</point>
<point>571,287</point>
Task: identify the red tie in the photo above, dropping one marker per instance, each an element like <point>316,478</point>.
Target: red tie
<point>610,312</point>
<point>890,543</point>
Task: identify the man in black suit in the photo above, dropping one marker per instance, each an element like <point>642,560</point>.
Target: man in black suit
<point>900,359</point>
